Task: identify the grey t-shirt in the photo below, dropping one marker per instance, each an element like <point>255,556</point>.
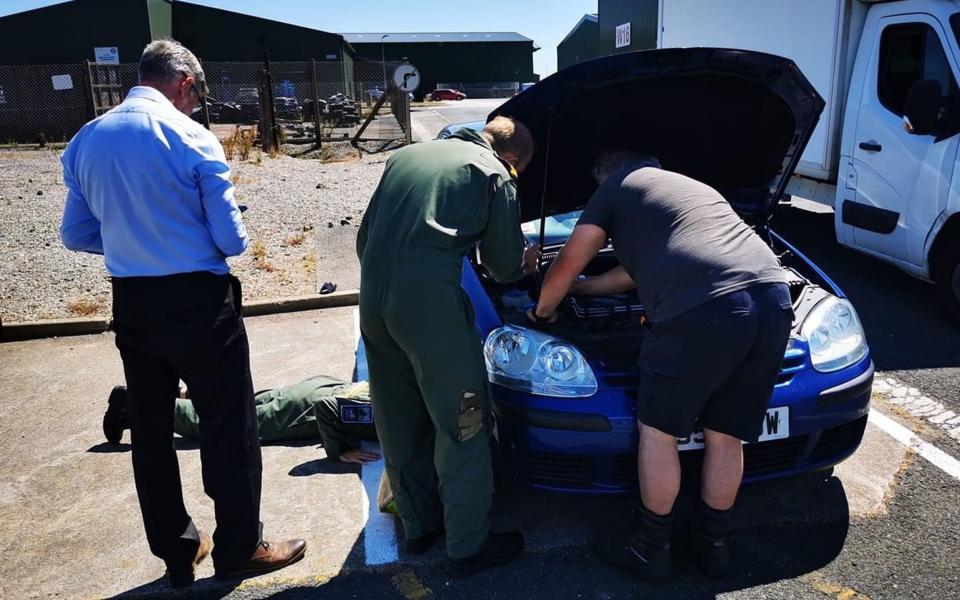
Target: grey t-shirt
<point>679,240</point>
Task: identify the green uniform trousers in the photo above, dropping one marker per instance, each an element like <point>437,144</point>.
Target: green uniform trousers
<point>428,381</point>
<point>303,410</point>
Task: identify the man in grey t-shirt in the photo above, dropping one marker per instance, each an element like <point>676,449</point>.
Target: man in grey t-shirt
<point>719,313</point>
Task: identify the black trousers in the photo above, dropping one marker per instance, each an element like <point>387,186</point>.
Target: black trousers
<point>189,326</point>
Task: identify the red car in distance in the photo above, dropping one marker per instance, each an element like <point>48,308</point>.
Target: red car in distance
<point>447,94</point>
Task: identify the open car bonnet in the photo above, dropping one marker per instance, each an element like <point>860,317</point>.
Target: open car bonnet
<point>736,120</point>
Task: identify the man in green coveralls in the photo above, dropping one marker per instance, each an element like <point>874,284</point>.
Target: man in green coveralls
<point>436,201</point>
<point>335,410</point>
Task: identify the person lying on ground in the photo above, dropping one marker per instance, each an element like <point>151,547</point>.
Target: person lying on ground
<point>336,411</point>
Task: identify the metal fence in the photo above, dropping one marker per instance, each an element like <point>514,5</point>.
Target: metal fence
<point>307,102</point>
<point>490,89</point>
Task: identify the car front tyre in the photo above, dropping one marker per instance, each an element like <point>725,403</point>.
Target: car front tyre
<point>947,278</point>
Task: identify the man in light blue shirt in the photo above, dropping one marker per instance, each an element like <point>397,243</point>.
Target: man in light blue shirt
<point>149,189</point>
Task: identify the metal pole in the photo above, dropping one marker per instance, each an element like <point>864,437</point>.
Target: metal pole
<point>316,102</point>
<point>383,61</point>
<point>543,194</point>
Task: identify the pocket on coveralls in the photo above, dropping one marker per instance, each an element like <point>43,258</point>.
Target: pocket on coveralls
<point>470,418</point>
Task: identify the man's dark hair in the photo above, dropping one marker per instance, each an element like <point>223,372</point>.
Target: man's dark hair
<point>616,161</point>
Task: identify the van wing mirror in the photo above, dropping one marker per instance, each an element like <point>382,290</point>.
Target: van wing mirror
<point>922,107</point>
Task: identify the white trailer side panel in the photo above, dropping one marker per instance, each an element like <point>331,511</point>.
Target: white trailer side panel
<point>813,33</point>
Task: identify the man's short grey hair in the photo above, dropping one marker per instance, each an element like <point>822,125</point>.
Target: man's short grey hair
<point>164,61</point>
<point>616,161</point>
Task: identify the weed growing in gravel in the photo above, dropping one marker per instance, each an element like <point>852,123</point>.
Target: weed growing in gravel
<point>295,240</point>
<point>85,307</point>
<point>239,144</point>
<point>260,262</point>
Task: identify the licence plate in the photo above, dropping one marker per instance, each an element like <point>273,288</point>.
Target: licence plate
<point>775,426</point>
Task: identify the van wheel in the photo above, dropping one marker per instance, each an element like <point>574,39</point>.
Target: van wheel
<point>947,278</point>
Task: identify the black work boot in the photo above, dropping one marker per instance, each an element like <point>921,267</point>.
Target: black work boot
<point>712,527</point>
<point>420,545</point>
<point>499,549</point>
<point>645,549</point>
<point>115,419</point>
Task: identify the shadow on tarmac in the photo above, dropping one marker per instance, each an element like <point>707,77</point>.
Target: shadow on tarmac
<point>108,448</point>
<point>783,530</point>
<point>905,327</point>
<point>325,466</point>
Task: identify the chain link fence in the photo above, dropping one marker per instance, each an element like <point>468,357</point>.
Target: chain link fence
<point>281,104</point>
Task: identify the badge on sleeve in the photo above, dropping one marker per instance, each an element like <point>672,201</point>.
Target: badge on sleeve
<point>356,413</point>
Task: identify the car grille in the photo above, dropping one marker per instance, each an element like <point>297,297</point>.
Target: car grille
<point>839,440</point>
<point>577,472</point>
<point>554,469</point>
<point>778,455</point>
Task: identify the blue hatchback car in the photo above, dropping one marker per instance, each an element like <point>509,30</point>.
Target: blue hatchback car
<point>564,394</point>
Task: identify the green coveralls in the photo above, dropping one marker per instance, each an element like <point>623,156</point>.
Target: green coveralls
<point>435,201</point>
<point>298,411</point>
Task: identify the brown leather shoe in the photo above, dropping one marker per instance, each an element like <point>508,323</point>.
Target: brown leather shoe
<point>269,556</point>
<point>181,579</point>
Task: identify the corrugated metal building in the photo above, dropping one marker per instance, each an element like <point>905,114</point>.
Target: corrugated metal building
<point>47,90</point>
<point>581,44</point>
<point>459,58</point>
<point>69,32</point>
<point>627,25</point>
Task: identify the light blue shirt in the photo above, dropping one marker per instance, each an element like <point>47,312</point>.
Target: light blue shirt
<point>149,188</point>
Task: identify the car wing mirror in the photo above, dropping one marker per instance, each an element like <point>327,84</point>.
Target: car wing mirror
<point>922,107</point>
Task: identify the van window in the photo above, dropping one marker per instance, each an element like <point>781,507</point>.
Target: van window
<point>909,52</point>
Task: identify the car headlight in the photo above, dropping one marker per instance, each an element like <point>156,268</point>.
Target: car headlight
<point>834,334</point>
<point>529,361</point>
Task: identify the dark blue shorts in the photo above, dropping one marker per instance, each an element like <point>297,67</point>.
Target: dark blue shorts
<point>715,364</point>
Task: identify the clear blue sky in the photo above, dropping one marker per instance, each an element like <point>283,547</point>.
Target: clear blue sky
<point>545,21</point>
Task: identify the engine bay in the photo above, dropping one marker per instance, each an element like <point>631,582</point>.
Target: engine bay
<point>611,327</point>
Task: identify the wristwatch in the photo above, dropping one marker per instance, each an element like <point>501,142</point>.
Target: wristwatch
<point>537,318</point>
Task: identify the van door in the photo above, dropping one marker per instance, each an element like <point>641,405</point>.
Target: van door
<point>902,180</point>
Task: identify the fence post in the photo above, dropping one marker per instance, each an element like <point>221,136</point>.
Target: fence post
<point>268,125</point>
<point>407,117</point>
<point>91,99</point>
<point>316,102</point>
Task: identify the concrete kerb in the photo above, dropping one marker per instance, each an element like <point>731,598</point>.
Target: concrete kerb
<point>31,330</point>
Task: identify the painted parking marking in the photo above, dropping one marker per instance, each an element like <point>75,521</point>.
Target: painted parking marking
<point>914,402</point>
<point>931,453</point>
<point>379,530</point>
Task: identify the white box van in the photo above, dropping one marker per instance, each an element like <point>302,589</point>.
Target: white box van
<point>885,150</point>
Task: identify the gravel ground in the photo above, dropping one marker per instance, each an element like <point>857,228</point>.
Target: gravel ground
<point>289,200</point>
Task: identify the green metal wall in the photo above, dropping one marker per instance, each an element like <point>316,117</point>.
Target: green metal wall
<point>219,35</point>
<point>459,61</point>
<point>643,15</point>
<point>581,46</point>
<point>68,32</point>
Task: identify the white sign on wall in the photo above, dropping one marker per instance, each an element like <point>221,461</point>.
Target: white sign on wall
<point>62,82</point>
<point>623,35</point>
<point>106,55</point>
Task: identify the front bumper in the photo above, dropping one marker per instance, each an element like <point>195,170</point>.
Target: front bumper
<point>562,446</point>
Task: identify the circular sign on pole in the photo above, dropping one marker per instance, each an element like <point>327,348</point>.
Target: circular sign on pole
<point>406,77</point>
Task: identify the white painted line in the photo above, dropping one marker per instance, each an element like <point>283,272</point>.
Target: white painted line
<point>931,453</point>
<point>356,327</point>
<point>914,402</point>
<point>420,132</point>
<point>379,531</point>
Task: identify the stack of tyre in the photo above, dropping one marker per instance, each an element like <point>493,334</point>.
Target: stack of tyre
<point>342,111</point>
